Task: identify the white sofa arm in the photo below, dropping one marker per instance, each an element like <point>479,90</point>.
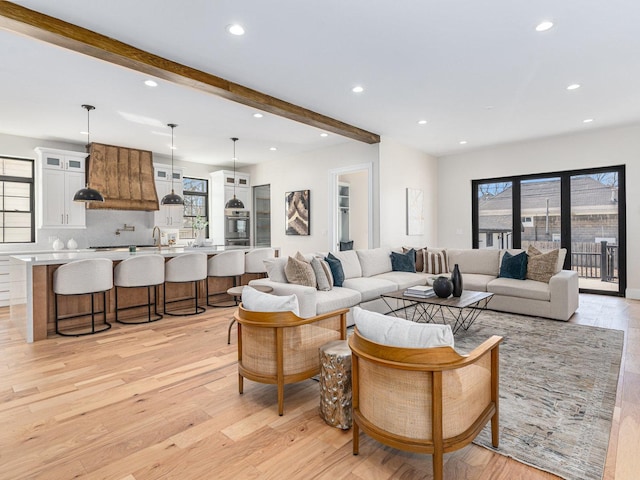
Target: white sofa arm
<point>306,295</point>
<point>564,289</point>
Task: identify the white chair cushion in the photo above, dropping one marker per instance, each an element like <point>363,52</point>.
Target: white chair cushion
<point>139,271</point>
<point>226,264</point>
<point>398,332</point>
<point>257,301</point>
<point>188,267</point>
<point>83,276</point>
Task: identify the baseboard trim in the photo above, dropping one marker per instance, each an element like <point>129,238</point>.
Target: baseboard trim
<point>632,293</point>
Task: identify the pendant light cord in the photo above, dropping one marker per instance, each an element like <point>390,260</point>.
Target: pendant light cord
<point>234,166</point>
<point>172,125</point>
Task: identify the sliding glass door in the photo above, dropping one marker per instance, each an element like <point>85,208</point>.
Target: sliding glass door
<point>582,211</point>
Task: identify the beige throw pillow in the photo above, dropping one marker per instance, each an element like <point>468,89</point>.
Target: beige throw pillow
<point>300,272</point>
<point>325,282</point>
<point>435,262</point>
<point>541,266</point>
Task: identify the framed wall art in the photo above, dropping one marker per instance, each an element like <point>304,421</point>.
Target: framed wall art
<point>297,212</point>
<point>415,213</point>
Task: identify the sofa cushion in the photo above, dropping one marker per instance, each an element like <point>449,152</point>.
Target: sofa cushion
<point>435,261</point>
<point>472,281</point>
<point>514,266</point>
<point>335,299</point>
<point>370,287</point>
<point>275,269</point>
<point>404,280</point>
<point>257,301</point>
<point>398,332</point>
<point>374,261</point>
<point>322,271</point>
<point>541,266</point>
<point>420,251</point>
<point>474,260</point>
<point>350,263</point>
<point>336,269</point>
<point>510,287</point>
<point>403,262</point>
<point>300,272</point>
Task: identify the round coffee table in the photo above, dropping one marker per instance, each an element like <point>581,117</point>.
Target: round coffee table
<point>236,293</point>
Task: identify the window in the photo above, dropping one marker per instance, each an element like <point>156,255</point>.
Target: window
<point>17,221</point>
<point>196,198</point>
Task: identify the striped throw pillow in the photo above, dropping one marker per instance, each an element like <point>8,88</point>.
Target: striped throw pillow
<point>435,262</point>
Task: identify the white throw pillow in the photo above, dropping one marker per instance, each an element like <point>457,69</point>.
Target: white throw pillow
<point>398,332</point>
<point>275,269</point>
<point>257,301</point>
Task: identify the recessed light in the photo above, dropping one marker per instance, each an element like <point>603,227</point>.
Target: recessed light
<point>324,134</point>
<point>257,115</point>
<point>573,86</point>
<point>235,29</point>
<point>273,149</point>
<point>172,147</point>
<point>422,122</point>
<point>357,89</point>
<point>84,133</point>
<point>587,120</point>
<point>151,83</point>
<point>463,142</point>
<point>544,26</point>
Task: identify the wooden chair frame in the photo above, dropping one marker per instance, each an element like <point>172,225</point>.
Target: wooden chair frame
<point>282,325</point>
<point>432,362</point>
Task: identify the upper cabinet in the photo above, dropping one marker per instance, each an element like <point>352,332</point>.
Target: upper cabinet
<point>61,175</point>
<point>168,216</point>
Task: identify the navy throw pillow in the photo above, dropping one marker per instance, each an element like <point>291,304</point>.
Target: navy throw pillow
<point>403,262</point>
<point>514,266</point>
<point>336,270</point>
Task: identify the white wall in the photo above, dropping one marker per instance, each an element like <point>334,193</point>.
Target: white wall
<point>593,148</point>
<point>310,171</point>
<point>403,167</point>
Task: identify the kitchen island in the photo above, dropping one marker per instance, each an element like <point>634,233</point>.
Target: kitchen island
<point>32,297</point>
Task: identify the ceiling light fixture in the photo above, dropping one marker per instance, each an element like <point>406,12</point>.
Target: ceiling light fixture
<point>587,120</point>
<point>463,142</point>
<point>234,202</point>
<point>422,122</point>
<point>257,115</point>
<point>357,89</point>
<point>573,86</point>
<point>273,149</point>
<point>324,134</point>
<point>172,199</point>
<point>151,83</point>
<point>235,29</point>
<point>88,194</point>
<point>544,26</point>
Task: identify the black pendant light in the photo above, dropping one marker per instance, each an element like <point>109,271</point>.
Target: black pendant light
<point>88,194</point>
<point>234,202</point>
<point>172,199</point>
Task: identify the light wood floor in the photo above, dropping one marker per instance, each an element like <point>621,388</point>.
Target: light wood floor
<point>161,401</point>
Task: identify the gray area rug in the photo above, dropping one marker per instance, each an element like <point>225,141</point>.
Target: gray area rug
<point>557,391</point>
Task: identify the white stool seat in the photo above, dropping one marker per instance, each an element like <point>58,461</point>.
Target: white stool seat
<point>225,264</point>
<point>140,271</point>
<point>188,267</point>
<point>83,277</point>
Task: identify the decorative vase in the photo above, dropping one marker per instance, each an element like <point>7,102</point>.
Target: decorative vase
<point>58,244</point>
<point>200,238</point>
<point>456,280</point>
<point>442,287</point>
<point>72,244</point>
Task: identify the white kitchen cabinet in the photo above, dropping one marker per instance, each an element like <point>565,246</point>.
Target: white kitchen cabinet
<point>168,216</point>
<point>221,188</point>
<point>62,174</point>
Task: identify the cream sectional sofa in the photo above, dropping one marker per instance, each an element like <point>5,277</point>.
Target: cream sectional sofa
<point>368,274</point>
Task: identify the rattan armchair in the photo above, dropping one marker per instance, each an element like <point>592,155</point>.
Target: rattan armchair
<point>282,348</point>
<point>429,400</point>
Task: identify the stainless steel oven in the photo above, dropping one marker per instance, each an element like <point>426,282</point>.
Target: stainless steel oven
<point>236,227</point>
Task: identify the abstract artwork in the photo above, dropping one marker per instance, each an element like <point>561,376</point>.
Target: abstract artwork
<point>415,215</point>
<point>297,210</point>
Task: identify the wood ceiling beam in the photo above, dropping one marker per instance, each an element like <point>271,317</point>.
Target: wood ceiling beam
<point>18,19</point>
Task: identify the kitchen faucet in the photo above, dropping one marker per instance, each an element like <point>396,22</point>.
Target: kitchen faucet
<point>153,236</point>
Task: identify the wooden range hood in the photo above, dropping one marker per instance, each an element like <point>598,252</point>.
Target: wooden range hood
<point>123,176</point>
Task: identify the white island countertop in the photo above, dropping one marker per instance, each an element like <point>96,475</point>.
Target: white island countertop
<point>66,256</point>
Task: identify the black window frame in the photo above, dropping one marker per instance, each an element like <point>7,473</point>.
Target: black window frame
<point>193,193</point>
<point>32,200</point>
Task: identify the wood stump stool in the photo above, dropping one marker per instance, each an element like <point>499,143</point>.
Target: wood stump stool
<point>335,384</point>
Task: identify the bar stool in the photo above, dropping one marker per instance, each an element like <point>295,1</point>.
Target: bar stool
<point>224,265</point>
<point>188,267</point>
<point>254,260</point>
<point>83,277</point>
<point>137,272</point>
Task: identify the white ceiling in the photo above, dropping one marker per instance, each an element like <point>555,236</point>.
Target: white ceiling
<point>476,71</point>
